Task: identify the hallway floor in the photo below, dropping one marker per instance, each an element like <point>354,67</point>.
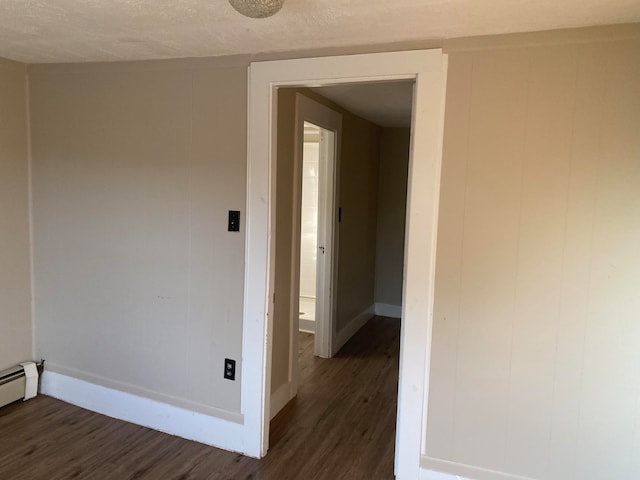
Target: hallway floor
<point>341,426</point>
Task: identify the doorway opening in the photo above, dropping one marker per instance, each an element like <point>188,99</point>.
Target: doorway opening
<point>313,229</point>
<point>340,267</point>
<point>310,249</point>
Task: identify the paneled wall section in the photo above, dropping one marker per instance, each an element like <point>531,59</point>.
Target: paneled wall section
<point>536,342</point>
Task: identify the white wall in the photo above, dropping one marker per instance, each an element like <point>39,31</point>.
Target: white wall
<point>536,340</point>
<point>139,284</point>
<point>15,267</point>
<point>309,219</point>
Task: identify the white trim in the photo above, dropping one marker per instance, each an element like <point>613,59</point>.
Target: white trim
<point>138,391</point>
<point>426,474</point>
<point>428,69</point>
<point>281,397</point>
<point>307,326</point>
<point>429,176</point>
<point>431,468</point>
<point>327,225</point>
<point>258,278</point>
<point>419,268</point>
<point>350,329</point>
<point>143,411</point>
<point>388,310</point>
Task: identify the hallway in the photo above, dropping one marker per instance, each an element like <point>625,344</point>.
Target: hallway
<point>345,409</point>
<point>341,426</point>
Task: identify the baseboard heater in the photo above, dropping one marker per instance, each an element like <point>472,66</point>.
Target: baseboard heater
<point>19,382</point>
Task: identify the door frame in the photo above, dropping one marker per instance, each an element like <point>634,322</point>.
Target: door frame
<point>309,110</point>
<point>428,68</point>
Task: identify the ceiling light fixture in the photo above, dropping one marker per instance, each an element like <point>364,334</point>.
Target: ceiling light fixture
<point>257,8</point>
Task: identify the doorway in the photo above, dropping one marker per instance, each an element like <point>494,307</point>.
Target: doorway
<point>318,133</point>
<point>296,109</point>
<point>428,68</point>
<point>310,248</point>
<point>323,391</point>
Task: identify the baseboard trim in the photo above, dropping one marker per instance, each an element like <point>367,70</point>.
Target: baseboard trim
<point>189,405</point>
<point>351,328</point>
<point>280,398</point>
<point>308,326</point>
<point>426,474</point>
<point>439,469</point>
<point>144,411</point>
<point>388,310</point>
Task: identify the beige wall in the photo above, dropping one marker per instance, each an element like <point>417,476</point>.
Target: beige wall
<point>392,201</point>
<point>358,181</point>
<point>139,283</point>
<point>535,367</point>
<point>283,275</point>
<point>536,341</point>
<point>15,267</point>
<point>358,198</point>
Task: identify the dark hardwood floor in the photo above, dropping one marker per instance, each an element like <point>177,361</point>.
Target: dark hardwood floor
<point>341,426</point>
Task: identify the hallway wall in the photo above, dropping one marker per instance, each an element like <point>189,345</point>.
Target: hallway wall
<point>392,201</point>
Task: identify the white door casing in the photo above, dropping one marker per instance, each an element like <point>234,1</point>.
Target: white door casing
<point>428,69</point>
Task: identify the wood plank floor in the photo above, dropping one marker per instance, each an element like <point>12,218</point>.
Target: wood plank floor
<point>341,426</point>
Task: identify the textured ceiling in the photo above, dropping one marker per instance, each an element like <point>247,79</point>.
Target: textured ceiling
<point>36,31</point>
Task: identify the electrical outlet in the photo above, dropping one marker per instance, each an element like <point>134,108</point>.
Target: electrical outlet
<point>229,369</point>
<point>234,221</point>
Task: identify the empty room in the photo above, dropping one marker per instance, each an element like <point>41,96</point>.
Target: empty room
<point>448,290</point>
